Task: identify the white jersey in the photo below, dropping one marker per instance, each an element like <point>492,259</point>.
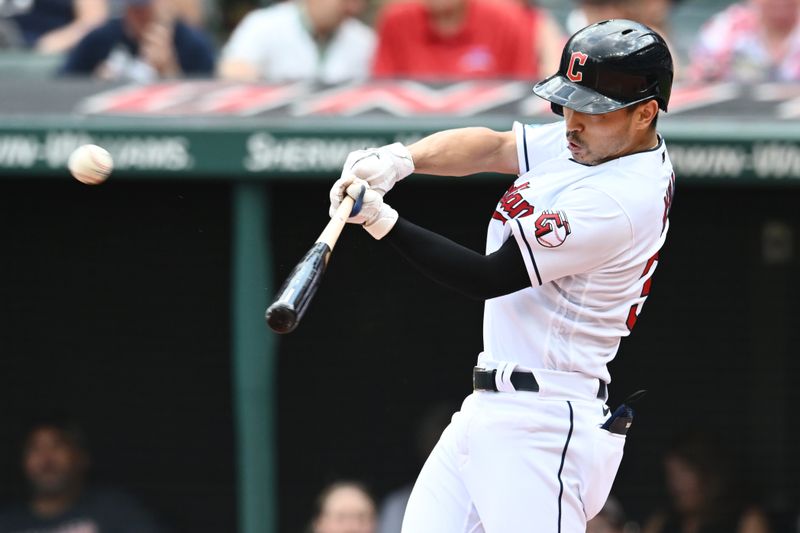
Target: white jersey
<point>589,236</point>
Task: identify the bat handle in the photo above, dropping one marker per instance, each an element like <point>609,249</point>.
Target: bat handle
<point>334,228</point>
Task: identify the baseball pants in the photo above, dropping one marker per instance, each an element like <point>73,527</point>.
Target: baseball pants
<point>513,462</point>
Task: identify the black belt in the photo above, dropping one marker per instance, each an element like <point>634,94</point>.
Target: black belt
<point>483,379</point>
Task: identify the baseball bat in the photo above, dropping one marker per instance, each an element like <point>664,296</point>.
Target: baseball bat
<point>291,302</point>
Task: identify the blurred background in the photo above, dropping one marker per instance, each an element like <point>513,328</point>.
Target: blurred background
<point>141,390</point>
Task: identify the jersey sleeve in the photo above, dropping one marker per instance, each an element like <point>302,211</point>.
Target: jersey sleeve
<point>538,143</point>
<point>583,230</point>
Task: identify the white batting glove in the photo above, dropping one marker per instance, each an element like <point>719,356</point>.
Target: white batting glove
<point>352,187</point>
<point>380,167</point>
<point>377,217</point>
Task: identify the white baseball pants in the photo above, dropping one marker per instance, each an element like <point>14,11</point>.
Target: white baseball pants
<point>513,462</point>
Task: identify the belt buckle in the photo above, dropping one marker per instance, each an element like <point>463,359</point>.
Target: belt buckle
<point>486,378</point>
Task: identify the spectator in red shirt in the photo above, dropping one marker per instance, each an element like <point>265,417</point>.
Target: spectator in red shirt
<point>455,39</point>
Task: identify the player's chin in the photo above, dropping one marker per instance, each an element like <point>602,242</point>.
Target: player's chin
<point>579,154</point>
<point>588,158</point>
<point>583,158</point>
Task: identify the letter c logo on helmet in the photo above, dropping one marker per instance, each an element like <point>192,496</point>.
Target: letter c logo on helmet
<point>579,58</point>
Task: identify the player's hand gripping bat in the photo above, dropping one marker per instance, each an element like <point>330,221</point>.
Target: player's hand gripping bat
<point>296,293</point>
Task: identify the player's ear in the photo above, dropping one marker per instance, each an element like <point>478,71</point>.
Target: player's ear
<point>645,114</point>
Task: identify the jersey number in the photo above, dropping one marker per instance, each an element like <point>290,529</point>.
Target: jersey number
<point>650,267</point>
<point>636,308</point>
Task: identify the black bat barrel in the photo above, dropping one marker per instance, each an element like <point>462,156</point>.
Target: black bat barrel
<point>292,300</point>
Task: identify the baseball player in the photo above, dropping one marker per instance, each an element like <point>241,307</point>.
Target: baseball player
<point>570,252</point>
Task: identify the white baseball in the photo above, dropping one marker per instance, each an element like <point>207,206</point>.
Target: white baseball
<point>90,164</point>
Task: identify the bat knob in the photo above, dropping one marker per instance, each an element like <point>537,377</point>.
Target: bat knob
<point>359,202</point>
<point>281,318</point>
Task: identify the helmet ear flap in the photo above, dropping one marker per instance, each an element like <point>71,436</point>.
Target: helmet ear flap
<point>557,109</point>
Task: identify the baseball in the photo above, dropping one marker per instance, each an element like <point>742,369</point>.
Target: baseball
<point>90,164</point>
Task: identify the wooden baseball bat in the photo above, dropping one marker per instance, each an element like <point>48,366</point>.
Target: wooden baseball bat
<point>292,300</point>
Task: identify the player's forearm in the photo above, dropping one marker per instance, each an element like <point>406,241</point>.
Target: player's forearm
<point>471,273</point>
<point>466,151</point>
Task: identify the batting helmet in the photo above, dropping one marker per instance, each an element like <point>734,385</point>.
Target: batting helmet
<point>608,66</point>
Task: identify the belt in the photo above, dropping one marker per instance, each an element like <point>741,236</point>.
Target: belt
<point>484,379</point>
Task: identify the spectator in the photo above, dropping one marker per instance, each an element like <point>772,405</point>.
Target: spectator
<point>313,40</point>
<point>55,26</point>
<point>705,492</point>
<point>55,463</point>
<point>548,39</point>
<point>344,507</point>
<point>610,519</point>
<point>454,39</point>
<point>757,40</point>
<point>147,43</point>
<point>195,13</point>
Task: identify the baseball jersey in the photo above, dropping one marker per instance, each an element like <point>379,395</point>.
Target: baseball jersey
<point>589,236</point>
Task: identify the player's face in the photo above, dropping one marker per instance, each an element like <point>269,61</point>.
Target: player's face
<point>595,139</point>
<point>52,464</point>
<point>346,510</point>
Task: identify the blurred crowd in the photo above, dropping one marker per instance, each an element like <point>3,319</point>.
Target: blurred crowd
<point>704,491</point>
<point>336,41</point>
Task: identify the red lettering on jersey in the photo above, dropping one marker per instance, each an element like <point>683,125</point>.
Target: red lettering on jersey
<point>552,228</point>
<point>577,58</point>
<point>649,269</point>
<point>668,196</point>
<point>513,205</point>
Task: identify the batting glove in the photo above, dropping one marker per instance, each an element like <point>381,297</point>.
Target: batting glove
<point>377,217</point>
<point>380,167</point>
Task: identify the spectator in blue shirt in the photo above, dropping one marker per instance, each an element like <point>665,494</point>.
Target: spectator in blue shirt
<point>146,44</point>
<point>55,463</point>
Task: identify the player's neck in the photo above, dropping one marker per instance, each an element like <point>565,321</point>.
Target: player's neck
<point>648,141</point>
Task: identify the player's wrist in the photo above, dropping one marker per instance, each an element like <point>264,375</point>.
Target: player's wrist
<point>401,158</point>
<point>382,223</point>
